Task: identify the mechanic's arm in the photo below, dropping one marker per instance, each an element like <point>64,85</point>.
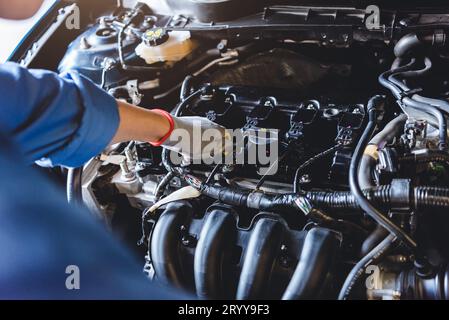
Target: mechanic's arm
<point>66,120</point>
<point>140,124</point>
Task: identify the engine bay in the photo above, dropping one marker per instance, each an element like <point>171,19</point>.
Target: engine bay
<point>357,205</point>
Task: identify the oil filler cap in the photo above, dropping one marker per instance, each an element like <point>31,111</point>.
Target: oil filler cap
<point>155,37</point>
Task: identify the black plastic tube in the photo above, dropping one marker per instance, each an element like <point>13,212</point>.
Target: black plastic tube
<point>375,255</point>
<point>364,203</point>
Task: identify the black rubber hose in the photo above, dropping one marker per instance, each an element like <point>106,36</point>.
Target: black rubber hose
<point>410,103</point>
<point>186,88</point>
<point>364,203</point>
<point>74,186</point>
<point>432,106</point>
<point>440,104</point>
<point>184,103</point>
<point>415,73</point>
<point>371,258</point>
<point>366,169</point>
<point>373,240</point>
<point>424,106</point>
<point>411,42</point>
<point>383,79</point>
<point>368,162</point>
<point>390,131</point>
<point>406,45</point>
<point>396,63</point>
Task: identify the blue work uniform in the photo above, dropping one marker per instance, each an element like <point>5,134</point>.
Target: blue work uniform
<point>47,248</point>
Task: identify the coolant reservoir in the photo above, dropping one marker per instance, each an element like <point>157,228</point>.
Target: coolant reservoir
<point>158,45</point>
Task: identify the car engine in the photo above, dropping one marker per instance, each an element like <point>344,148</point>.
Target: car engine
<point>357,206</point>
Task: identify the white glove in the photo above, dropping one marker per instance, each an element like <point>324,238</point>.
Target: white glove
<point>198,140</point>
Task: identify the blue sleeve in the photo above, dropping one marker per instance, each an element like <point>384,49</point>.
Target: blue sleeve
<point>41,235</point>
<point>57,120</point>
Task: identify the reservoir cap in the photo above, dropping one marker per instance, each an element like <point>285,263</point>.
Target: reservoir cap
<point>155,37</point>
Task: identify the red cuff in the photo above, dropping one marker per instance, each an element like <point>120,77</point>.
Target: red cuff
<point>172,127</point>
